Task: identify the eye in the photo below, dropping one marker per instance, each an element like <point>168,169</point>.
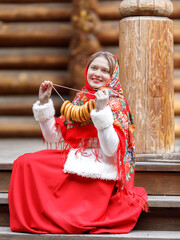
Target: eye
<point>93,67</point>
<point>105,70</point>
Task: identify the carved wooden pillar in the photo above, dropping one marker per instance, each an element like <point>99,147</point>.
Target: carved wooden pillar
<point>84,43</point>
<point>146,71</point>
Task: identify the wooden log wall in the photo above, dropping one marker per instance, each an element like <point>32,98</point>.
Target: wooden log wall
<point>36,44</point>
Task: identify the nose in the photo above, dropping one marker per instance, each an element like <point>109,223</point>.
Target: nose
<point>98,72</point>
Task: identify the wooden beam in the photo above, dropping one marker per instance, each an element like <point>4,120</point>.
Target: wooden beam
<point>19,126</point>
<point>35,12</point>
<point>18,82</point>
<point>22,105</point>
<point>33,1</point>
<point>34,58</point>
<point>35,34</point>
<point>177,83</point>
<point>58,34</point>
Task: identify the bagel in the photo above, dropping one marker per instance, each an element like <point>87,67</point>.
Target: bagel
<point>77,113</point>
<point>81,113</point>
<point>91,105</point>
<point>73,113</point>
<point>86,111</point>
<point>68,113</point>
<point>63,106</point>
<point>78,109</point>
<point>66,109</point>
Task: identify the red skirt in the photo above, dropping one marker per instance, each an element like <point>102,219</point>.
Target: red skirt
<point>44,199</point>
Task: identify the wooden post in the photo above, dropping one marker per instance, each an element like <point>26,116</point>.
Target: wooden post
<point>146,71</point>
<point>84,43</point>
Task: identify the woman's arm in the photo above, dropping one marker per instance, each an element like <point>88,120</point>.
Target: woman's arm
<point>108,138</point>
<point>102,118</point>
<point>44,112</point>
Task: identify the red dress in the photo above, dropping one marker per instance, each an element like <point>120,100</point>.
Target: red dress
<point>44,199</point>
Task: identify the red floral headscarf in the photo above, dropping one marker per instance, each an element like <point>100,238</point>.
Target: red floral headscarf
<point>76,134</point>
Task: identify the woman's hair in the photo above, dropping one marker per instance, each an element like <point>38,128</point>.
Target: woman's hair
<point>109,56</point>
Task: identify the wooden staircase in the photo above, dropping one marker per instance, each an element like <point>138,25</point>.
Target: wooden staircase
<point>34,46</point>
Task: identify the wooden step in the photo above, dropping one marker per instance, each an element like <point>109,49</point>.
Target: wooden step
<point>164,213</point>
<point>6,234</point>
<point>28,82</point>
<point>153,201</point>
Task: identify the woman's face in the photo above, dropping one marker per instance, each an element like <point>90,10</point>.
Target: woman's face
<point>98,72</point>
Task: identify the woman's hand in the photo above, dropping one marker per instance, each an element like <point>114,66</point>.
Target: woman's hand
<point>45,92</point>
<point>102,98</point>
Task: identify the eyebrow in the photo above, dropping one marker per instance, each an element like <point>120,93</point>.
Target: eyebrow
<point>94,65</point>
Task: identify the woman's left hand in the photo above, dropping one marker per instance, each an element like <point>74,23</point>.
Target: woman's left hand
<point>102,98</point>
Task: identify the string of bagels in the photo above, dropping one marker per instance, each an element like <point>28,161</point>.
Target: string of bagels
<point>73,112</point>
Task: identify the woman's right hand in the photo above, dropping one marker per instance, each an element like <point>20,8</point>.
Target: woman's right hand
<point>45,92</point>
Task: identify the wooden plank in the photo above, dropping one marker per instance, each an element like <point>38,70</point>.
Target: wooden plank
<point>177,129</point>
<point>34,1</point>
<point>164,201</point>
<point>176,84</point>
<point>22,105</point>
<point>153,201</point>
<point>58,34</point>
<point>18,82</point>
<point>34,58</point>
<point>177,106</point>
<point>5,177</point>
<point>6,234</point>
<point>159,183</point>
<point>158,166</point>
<point>19,127</point>
<point>35,34</point>
<point>4,217</point>
<point>35,12</point>
<point>166,219</point>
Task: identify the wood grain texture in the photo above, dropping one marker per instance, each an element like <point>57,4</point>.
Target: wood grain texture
<point>159,183</point>
<point>19,126</point>
<point>35,12</point>
<point>146,74</point>
<point>54,34</point>
<point>146,8</point>
<point>166,219</point>
<point>35,34</point>
<point>34,58</point>
<point>14,82</point>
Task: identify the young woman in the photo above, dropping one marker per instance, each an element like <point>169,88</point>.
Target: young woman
<point>88,185</point>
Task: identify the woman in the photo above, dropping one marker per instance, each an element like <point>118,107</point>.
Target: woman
<point>88,186</point>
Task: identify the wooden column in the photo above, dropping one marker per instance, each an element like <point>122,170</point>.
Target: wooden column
<point>85,23</point>
<point>146,71</point>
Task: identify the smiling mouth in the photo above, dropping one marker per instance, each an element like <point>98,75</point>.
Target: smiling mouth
<point>96,80</point>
